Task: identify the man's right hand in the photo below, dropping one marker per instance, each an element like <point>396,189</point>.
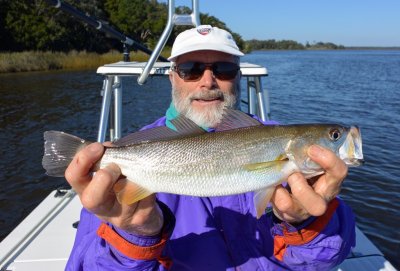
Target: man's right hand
<point>97,195</point>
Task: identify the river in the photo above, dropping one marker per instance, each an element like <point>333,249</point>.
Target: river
<point>352,87</point>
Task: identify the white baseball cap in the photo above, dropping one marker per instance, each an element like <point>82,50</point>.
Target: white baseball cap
<point>204,37</point>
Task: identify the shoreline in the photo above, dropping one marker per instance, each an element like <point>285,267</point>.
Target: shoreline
<point>31,61</point>
<point>329,49</point>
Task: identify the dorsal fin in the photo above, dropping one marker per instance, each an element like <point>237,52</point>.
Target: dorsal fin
<point>154,134</point>
<point>234,119</point>
<point>183,125</point>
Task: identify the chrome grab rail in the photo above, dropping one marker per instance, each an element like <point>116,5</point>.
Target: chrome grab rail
<point>105,107</point>
<point>173,19</point>
<point>112,88</point>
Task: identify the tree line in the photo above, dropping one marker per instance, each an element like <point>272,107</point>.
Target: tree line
<point>289,45</point>
<point>34,25</point>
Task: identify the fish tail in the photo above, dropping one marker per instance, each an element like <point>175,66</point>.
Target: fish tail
<point>59,150</point>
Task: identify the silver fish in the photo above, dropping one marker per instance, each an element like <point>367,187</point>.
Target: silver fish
<point>241,156</point>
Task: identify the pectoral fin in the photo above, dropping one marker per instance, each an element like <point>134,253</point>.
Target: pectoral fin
<point>261,199</point>
<point>266,166</point>
<point>128,192</point>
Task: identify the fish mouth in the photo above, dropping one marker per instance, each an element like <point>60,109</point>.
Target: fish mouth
<point>354,162</point>
<point>351,150</point>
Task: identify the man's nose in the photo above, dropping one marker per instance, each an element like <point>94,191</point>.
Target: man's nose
<point>208,78</point>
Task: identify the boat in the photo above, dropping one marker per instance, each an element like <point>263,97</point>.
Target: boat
<point>44,239</point>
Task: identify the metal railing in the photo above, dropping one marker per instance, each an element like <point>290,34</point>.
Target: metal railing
<point>173,19</point>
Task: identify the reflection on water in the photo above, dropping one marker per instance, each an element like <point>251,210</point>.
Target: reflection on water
<point>352,87</point>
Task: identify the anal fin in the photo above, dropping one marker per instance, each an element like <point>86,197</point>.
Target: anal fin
<point>272,170</point>
<point>128,192</point>
<point>261,199</point>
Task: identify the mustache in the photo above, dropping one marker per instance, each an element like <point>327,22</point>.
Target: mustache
<point>208,95</point>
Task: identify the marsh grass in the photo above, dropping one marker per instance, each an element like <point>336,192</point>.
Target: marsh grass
<point>74,60</point>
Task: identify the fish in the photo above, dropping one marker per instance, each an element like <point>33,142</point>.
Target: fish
<point>242,155</point>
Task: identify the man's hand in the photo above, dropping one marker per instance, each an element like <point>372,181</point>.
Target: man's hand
<point>96,194</point>
<point>310,198</point>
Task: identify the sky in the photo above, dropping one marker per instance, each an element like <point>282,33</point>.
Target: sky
<point>343,22</point>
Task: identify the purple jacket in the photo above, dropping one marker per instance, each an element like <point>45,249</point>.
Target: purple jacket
<point>220,233</point>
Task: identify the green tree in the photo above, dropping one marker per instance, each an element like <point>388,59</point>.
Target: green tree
<point>142,20</point>
<point>35,25</point>
<point>5,35</point>
<point>32,25</point>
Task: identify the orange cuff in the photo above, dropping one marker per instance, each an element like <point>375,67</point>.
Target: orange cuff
<point>133,251</point>
<point>305,235</point>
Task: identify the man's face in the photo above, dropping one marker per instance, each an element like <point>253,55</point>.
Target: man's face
<point>203,100</point>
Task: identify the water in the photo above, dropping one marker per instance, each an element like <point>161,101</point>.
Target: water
<point>352,87</point>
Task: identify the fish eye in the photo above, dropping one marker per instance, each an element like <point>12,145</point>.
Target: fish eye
<point>335,134</point>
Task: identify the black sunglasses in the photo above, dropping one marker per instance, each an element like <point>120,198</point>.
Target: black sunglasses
<point>193,71</point>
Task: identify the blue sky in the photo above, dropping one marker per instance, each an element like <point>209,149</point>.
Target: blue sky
<point>345,22</point>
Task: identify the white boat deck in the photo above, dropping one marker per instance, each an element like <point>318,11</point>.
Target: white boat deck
<point>45,238</point>
<point>50,247</point>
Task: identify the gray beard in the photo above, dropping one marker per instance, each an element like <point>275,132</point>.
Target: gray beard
<point>205,118</point>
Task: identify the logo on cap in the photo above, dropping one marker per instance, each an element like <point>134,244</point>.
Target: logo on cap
<point>204,31</point>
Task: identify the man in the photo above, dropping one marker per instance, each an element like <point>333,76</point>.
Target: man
<point>307,229</point>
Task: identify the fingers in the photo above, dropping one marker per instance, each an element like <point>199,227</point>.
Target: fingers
<point>78,173</point>
<point>108,144</point>
<point>329,184</point>
<point>300,203</point>
<point>313,203</point>
<point>328,160</point>
<point>99,192</point>
<point>285,207</point>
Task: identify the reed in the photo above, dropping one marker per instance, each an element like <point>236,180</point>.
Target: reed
<point>74,60</point>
